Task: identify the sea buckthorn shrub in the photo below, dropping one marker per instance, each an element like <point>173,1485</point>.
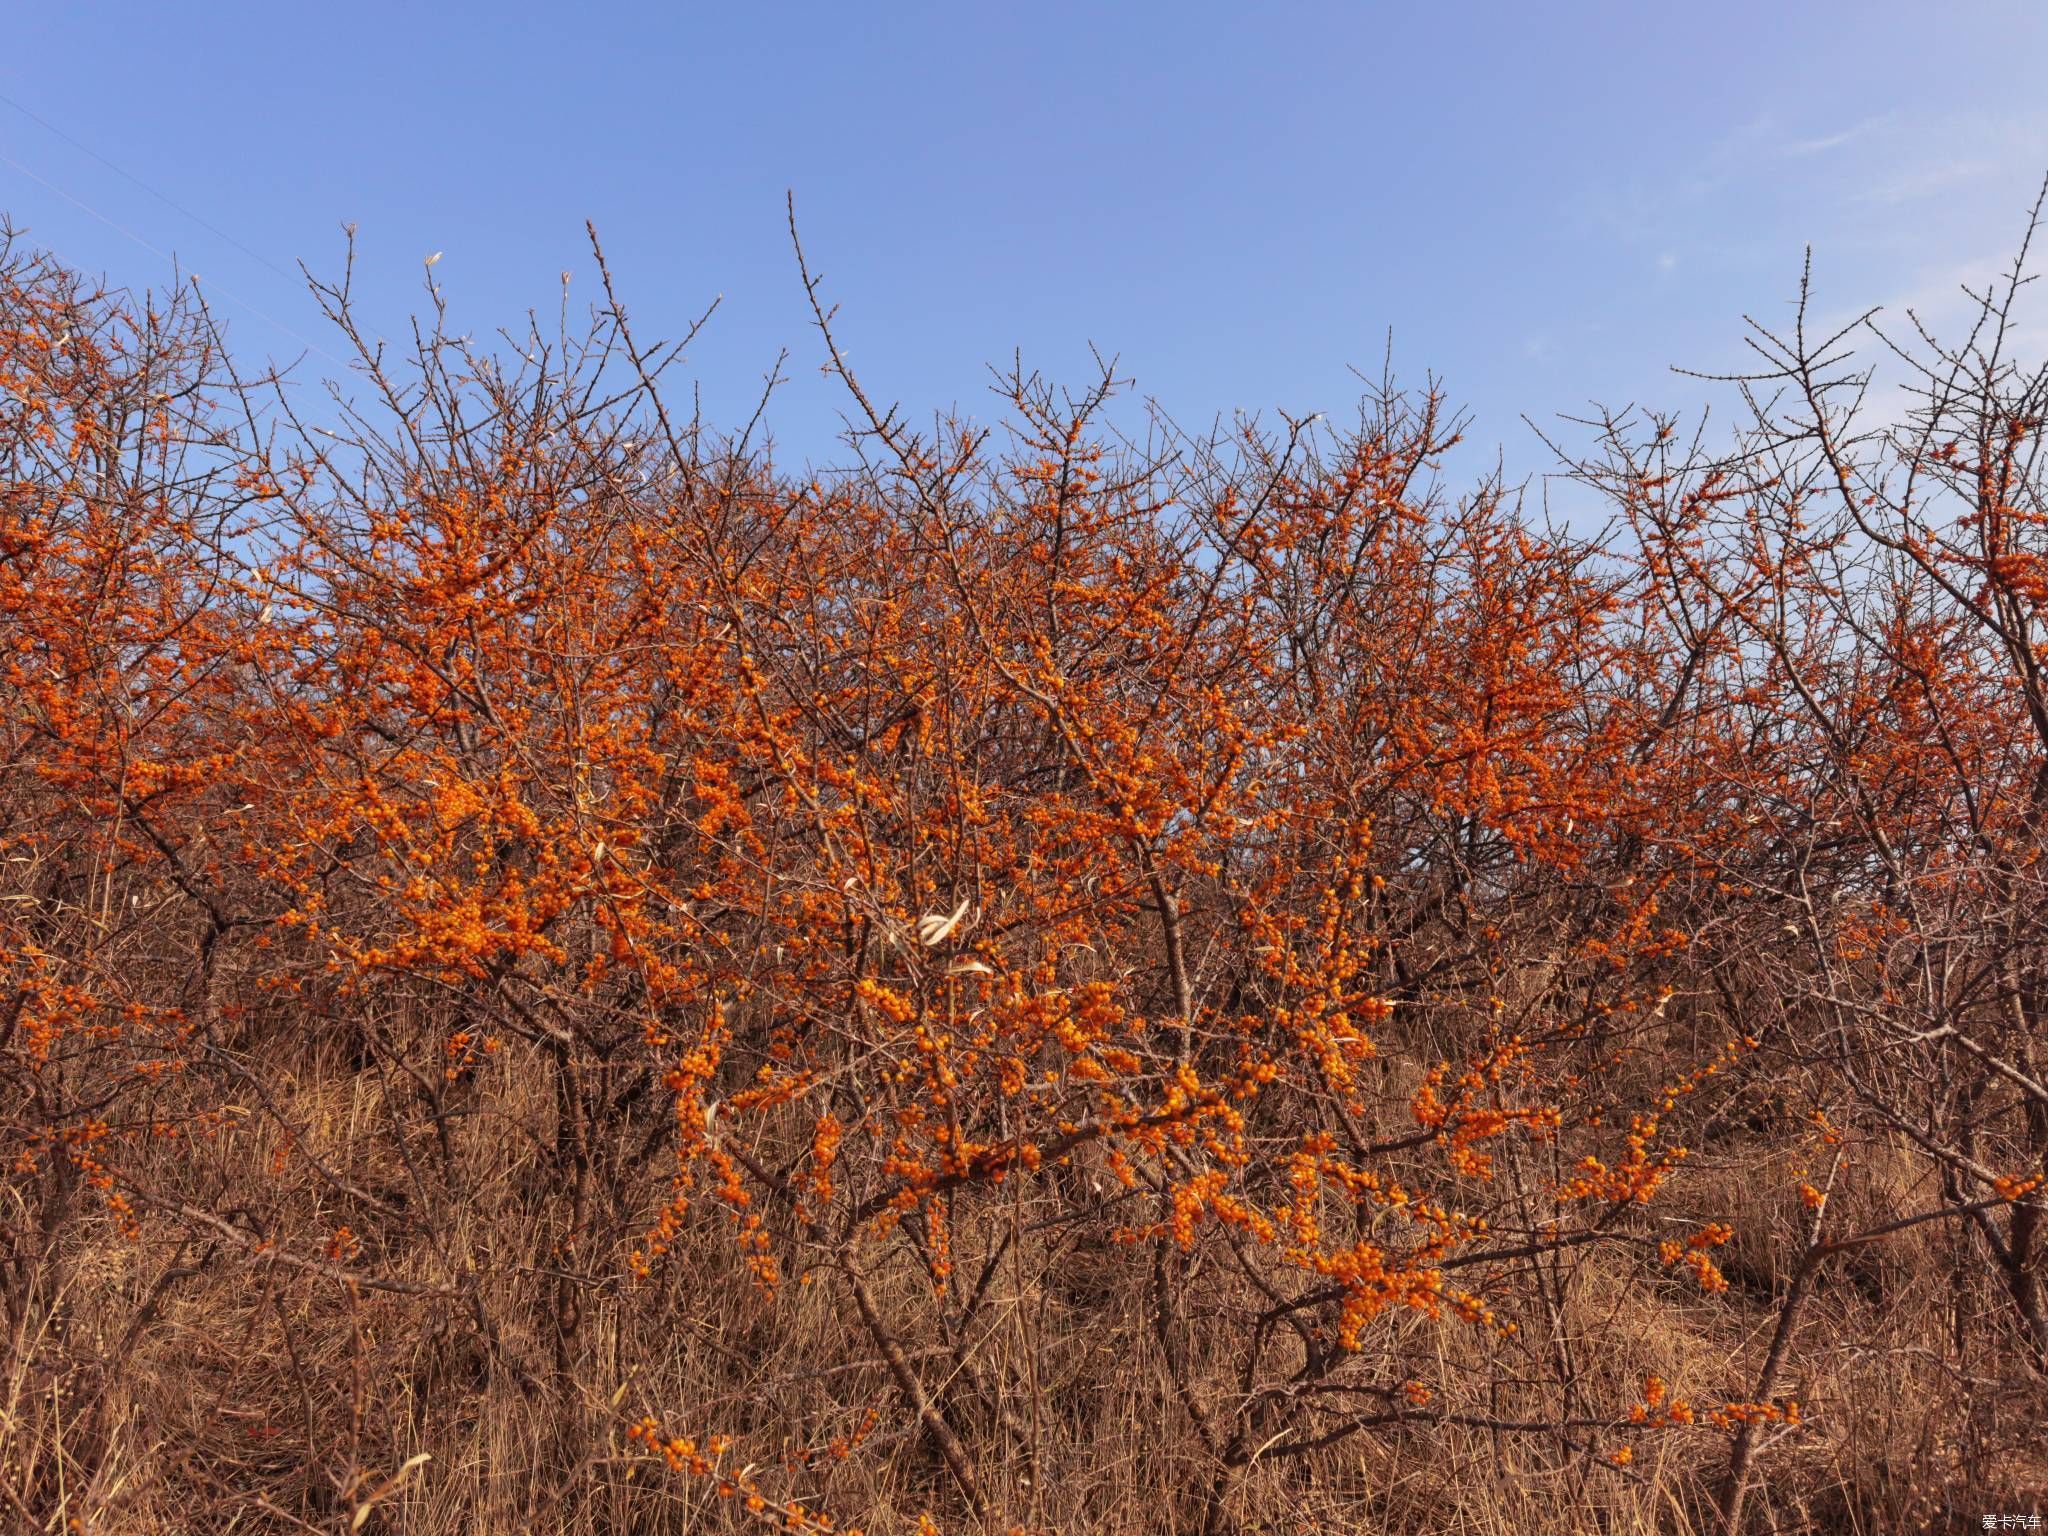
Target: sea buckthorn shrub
<point>563,973</point>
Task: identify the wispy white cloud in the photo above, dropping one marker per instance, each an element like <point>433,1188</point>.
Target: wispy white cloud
<point>1918,181</point>
<point>1800,149</point>
<point>1905,208</point>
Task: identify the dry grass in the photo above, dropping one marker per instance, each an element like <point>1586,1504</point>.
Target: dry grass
<point>173,1385</point>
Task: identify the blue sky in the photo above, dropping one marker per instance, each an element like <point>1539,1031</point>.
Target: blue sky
<point>1546,204</point>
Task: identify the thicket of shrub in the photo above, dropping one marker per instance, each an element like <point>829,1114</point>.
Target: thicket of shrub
<point>1036,980</point>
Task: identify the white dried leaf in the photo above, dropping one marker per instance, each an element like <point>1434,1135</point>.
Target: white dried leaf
<point>932,928</point>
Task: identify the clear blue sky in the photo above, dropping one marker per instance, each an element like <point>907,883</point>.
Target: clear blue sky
<point>1546,203</point>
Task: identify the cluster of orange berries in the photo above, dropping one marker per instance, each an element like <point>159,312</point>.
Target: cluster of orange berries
<point>840,1447</point>
<point>825,1139</point>
<point>79,1142</point>
<point>686,1455</point>
<point>464,1050</point>
<point>682,1455</point>
<point>1694,1255</point>
<point>1735,1415</point>
<point>1658,1409</point>
<point>668,1225</point>
<point>2008,1188</point>
<point>1205,1193</point>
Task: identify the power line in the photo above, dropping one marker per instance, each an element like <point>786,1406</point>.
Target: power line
<point>165,199</point>
<point>127,233</point>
